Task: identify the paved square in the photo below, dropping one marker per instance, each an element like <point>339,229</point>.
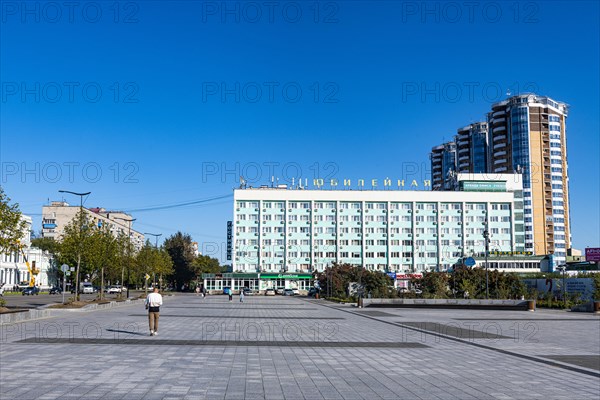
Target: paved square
<point>296,348</point>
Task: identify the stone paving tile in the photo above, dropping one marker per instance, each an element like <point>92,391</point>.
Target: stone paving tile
<point>444,369</point>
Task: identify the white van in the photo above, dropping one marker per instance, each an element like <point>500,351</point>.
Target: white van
<point>86,287</point>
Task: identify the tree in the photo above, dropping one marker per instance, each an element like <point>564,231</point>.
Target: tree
<point>152,261</point>
<point>179,247</point>
<point>12,226</point>
<point>206,265</point>
<point>335,280</point>
<point>95,247</point>
<point>73,243</point>
<point>46,244</point>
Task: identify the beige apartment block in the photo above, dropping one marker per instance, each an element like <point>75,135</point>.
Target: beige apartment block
<point>57,215</point>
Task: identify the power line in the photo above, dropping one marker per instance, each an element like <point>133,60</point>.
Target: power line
<point>159,207</point>
<point>177,205</point>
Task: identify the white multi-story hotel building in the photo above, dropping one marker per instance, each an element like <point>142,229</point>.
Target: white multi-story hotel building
<point>294,230</point>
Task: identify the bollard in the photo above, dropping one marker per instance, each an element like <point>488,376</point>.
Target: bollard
<point>531,305</point>
<point>597,307</point>
<point>317,296</point>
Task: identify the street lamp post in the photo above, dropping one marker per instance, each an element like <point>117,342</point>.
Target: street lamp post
<point>128,251</point>
<point>486,237</point>
<point>80,233</point>
<point>156,235</point>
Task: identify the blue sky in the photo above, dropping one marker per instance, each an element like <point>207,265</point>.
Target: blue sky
<point>147,97</point>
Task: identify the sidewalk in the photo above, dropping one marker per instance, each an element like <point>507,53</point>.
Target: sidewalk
<point>294,348</point>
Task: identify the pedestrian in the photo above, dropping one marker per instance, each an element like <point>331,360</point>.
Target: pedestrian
<point>197,290</point>
<point>241,296</point>
<point>230,293</point>
<point>203,292</point>
<point>153,303</point>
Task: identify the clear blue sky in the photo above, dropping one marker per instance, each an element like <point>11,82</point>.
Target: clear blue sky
<point>381,83</point>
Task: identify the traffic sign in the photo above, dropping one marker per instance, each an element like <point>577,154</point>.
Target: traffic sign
<point>64,268</point>
<point>147,276</point>
<point>68,273</point>
<point>469,262</point>
<point>72,269</point>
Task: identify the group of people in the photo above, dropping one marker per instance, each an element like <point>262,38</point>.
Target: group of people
<point>154,301</point>
<point>230,294</point>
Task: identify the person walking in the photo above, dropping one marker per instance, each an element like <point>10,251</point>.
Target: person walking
<point>153,303</point>
<point>241,296</point>
<point>230,293</point>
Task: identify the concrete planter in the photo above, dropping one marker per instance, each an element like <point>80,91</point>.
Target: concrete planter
<point>14,317</point>
<point>452,303</point>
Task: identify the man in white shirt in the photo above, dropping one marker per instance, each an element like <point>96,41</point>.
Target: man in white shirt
<point>153,303</point>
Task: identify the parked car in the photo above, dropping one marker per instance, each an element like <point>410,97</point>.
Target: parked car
<point>86,288</point>
<point>55,290</point>
<point>114,289</point>
<point>248,292</point>
<point>296,291</point>
<point>226,290</point>
<point>30,291</point>
<point>405,290</point>
<point>279,290</point>
<point>288,292</point>
<point>270,292</point>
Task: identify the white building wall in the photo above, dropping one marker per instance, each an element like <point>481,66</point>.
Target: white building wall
<point>403,231</point>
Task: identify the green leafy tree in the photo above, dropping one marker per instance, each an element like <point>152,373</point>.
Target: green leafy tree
<point>12,226</point>
<point>180,249</point>
<point>46,244</point>
<point>153,262</point>
<point>434,285</point>
<point>98,251</point>
<point>73,242</point>
<point>336,278</point>
<point>206,265</point>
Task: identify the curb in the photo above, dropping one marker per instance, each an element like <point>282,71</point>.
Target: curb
<point>45,312</point>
